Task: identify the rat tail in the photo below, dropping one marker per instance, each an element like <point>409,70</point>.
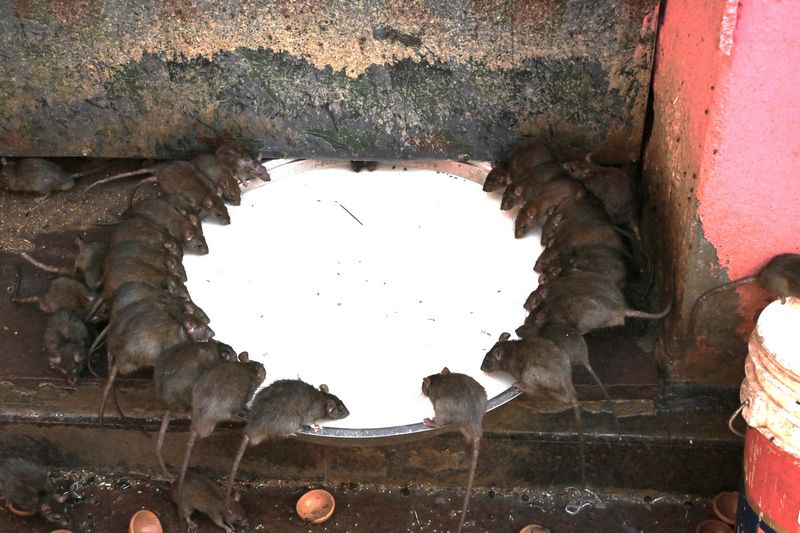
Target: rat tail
<point>234,468</point>
<point>476,446</point>
<point>47,268</point>
<point>117,177</point>
<point>576,408</point>
<point>589,369</point>
<point>709,292</point>
<point>642,314</point>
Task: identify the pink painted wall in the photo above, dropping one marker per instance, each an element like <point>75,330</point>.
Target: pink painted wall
<point>721,170</point>
<point>749,183</point>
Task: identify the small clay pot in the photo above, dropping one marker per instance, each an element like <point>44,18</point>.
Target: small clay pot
<point>16,511</point>
<point>534,528</point>
<point>315,506</point>
<point>145,521</point>
<point>725,505</point>
<point>713,526</point>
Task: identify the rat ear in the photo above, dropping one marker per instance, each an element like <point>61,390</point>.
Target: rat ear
<point>330,406</point>
<point>323,388</point>
<point>193,219</point>
<point>518,190</point>
<point>208,203</point>
<point>77,357</point>
<point>244,357</point>
<point>505,336</point>
<point>61,498</point>
<point>539,319</point>
<point>445,371</point>
<point>188,235</point>
<point>498,354</point>
<point>189,325</point>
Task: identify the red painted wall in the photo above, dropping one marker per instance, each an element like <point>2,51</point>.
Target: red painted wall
<point>721,169</point>
<point>749,183</point>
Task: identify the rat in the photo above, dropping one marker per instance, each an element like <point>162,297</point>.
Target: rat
<point>461,401</point>
<point>177,178</point>
<point>523,156</point>
<point>280,409</point>
<point>527,155</point>
<point>586,209</point>
<point>613,187</point>
<point>88,263</point>
<point>66,340</point>
<point>597,259</point>
<point>202,494</point>
<point>244,168</point>
<point>132,292</point>
<point>570,283</point>
<point>63,294</point>
<point>528,185</point>
<point>221,393</point>
<point>586,310</point>
<point>218,177</point>
<point>28,487</point>
<point>138,336</point>
<point>184,228</point>
<point>577,233</point>
<point>574,345</point>
<point>551,195</point>
<point>176,372</point>
<point>136,261</point>
<point>35,175</point>
<point>139,229</point>
<point>780,278</point>
<point>358,166</point>
<point>538,365</point>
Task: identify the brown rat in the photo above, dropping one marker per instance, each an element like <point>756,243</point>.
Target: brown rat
<point>88,263</point>
<point>550,196</point>
<point>527,155</point>
<point>140,334</point>
<point>780,278</point>
<point>184,228</point>
<point>243,167</point>
<point>586,310</point>
<point>358,166</point>
<point>280,409</point>
<point>63,294</point>
<point>176,372</point>
<point>35,175</point>
<point>613,187</point>
<point>529,184</point>
<point>574,345</point>
<point>28,487</point>
<point>66,340</point>
<point>497,178</point>
<point>139,229</point>
<point>202,494</point>
<point>573,282</point>
<point>461,401</point>
<point>597,259</point>
<point>221,393</point>
<point>538,365</point>
<point>177,178</point>
<point>218,177</point>
<point>140,261</point>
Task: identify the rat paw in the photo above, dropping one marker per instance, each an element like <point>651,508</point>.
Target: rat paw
<point>430,422</point>
<point>316,428</point>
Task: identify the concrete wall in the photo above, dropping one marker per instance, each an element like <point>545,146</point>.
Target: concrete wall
<point>340,79</point>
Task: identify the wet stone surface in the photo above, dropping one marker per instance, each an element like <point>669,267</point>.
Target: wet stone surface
<point>107,502</point>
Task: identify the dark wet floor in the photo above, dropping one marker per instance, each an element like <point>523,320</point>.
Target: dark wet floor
<point>109,501</point>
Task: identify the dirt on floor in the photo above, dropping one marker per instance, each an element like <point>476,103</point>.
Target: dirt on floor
<point>105,503</point>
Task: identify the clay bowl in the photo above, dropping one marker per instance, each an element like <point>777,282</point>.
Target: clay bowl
<point>61,531</point>
<point>315,506</point>
<point>725,505</point>
<point>16,511</point>
<point>145,521</point>
<point>534,528</point>
<point>713,526</point>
